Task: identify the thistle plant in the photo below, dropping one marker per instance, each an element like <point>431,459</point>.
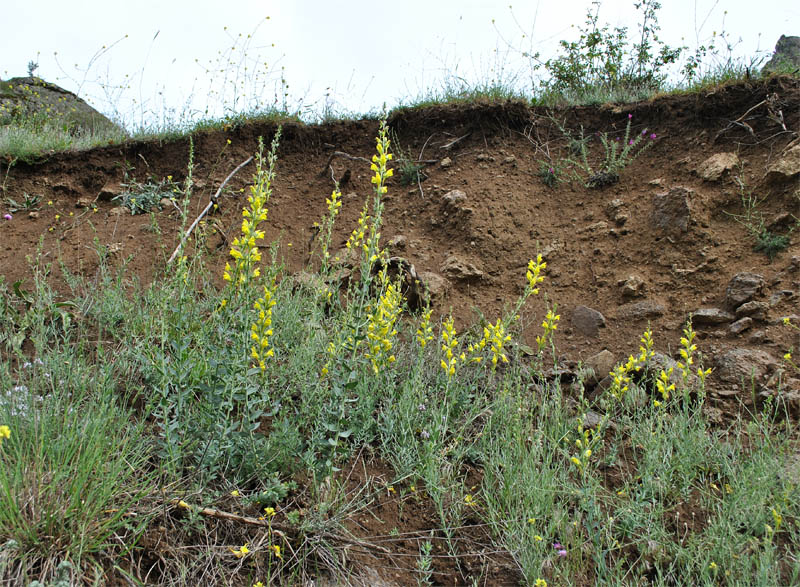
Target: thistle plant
<point>617,155</point>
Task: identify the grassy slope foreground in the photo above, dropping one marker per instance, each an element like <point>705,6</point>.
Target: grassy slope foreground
<point>489,373</point>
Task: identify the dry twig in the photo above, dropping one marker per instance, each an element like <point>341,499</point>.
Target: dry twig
<point>211,203</point>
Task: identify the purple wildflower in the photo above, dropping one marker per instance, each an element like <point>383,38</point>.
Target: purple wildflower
<point>557,545</point>
<point>630,142</point>
<point>551,171</point>
<point>644,132</point>
<point>8,217</point>
<point>562,552</point>
<point>653,136</point>
<point>630,116</point>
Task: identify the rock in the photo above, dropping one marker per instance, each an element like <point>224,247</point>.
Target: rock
<point>84,203</point>
<point>756,310</point>
<point>445,163</point>
<point>454,197</point>
<point>599,366</point>
<point>587,321</point>
<point>671,211</point>
<point>713,168</point>
<point>110,191</point>
<point>510,159</point>
<point>786,57</point>
<point>398,243</point>
<point>640,310</point>
<point>741,325</point>
<point>786,167</point>
<point>741,288</point>
<point>28,96</point>
<point>710,316</point>
<point>594,228</point>
<point>438,287</point>
<point>165,203</point>
<point>758,337</point>
<point>616,212</point>
<point>661,362</point>
<point>118,211</point>
<point>458,268</point>
<point>632,287</point>
<point>33,215</point>
<point>744,367</point>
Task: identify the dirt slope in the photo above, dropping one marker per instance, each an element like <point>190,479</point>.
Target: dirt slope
<point>626,251</point>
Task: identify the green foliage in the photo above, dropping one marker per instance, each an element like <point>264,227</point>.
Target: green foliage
<point>618,153</point>
<point>604,59</point>
<point>141,198</point>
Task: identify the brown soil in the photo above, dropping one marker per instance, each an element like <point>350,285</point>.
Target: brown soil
<point>508,216</point>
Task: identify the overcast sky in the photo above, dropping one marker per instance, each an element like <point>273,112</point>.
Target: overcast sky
<point>175,58</point>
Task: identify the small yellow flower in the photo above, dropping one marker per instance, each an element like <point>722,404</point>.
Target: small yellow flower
<point>787,357</point>
<point>537,538</point>
<point>235,493</point>
<point>241,552</point>
<point>5,432</point>
<point>258,584</point>
<point>713,566</point>
<point>277,550</point>
<point>270,512</point>
<point>786,321</point>
<point>540,583</point>
<point>531,520</point>
<point>469,501</point>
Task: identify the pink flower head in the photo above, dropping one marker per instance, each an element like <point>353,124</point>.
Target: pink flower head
<point>630,116</point>
<point>557,546</point>
<point>644,132</point>
<point>653,136</point>
<point>562,553</point>
<point>8,216</point>
<point>630,142</point>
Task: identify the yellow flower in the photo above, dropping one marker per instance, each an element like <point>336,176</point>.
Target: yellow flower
<point>787,356</point>
<point>713,566</point>
<point>469,501</point>
<point>270,512</point>
<point>241,552</point>
<point>5,432</point>
<point>277,550</point>
<point>540,583</point>
<point>258,584</point>
<point>235,493</point>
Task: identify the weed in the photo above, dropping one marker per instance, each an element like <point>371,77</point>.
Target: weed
<point>766,241</point>
<point>618,153</point>
<point>141,198</point>
<point>29,204</point>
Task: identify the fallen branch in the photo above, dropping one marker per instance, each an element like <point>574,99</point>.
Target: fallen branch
<point>211,203</point>
<point>346,156</point>
<point>273,527</point>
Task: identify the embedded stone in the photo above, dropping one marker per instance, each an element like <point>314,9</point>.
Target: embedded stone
<point>640,310</point>
<point>744,367</point>
<point>741,325</point>
<point>786,167</point>
<point>587,321</point>
<point>711,316</point>
<point>671,211</point>
<point>438,287</point>
<point>632,287</point>
<point>455,197</point>
<point>742,287</point>
<point>756,310</point>
<point>445,163</point>
<point>460,269</point>
<point>600,365</point>
<point>713,168</point>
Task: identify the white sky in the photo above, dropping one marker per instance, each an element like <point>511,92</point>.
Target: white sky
<point>361,53</point>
